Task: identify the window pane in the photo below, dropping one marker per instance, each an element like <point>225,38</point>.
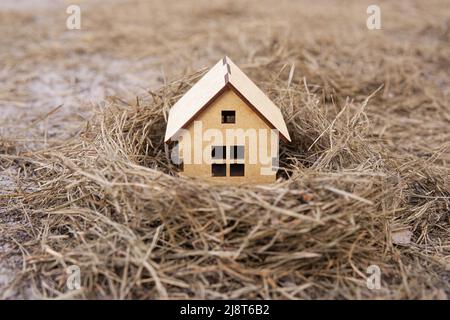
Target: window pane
<point>218,169</point>
<point>228,116</point>
<point>218,152</point>
<point>237,152</point>
<point>237,169</point>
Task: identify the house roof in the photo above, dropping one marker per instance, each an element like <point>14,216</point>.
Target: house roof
<point>224,73</point>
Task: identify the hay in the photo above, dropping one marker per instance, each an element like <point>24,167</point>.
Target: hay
<point>111,203</point>
<point>358,170</point>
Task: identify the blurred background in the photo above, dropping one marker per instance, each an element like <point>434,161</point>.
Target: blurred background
<point>125,47</point>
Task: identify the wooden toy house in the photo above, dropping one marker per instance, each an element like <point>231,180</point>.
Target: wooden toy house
<point>227,129</point>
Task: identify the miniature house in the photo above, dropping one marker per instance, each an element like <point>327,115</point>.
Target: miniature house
<point>227,130</point>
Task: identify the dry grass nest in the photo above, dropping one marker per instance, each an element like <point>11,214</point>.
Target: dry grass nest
<point>110,202</point>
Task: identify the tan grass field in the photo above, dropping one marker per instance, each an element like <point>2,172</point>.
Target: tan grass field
<point>85,179</point>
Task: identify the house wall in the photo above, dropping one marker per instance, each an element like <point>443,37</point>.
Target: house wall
<point>246,118</point>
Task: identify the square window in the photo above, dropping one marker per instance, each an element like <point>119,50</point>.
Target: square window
<point>237,169</point>
<point>219,169</point>
<point>237,152</point>
<point>218,152</point>
<point>228,116</point>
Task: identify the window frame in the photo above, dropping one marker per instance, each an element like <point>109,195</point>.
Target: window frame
<point>224,116</point>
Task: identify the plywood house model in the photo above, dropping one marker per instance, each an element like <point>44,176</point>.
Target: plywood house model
<point>226,130</point>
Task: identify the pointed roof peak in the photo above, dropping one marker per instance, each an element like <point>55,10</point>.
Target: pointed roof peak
<point>226,59</point>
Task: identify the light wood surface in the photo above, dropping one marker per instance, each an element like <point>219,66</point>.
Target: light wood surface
<point>246,118</point>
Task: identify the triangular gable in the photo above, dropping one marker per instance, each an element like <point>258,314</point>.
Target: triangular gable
<point>265,107</point>
<point>224,73</point>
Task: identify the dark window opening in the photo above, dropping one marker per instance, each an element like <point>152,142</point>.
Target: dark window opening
<point>228,116</point>
<point>237,169</point>
<point>219,169</point>
<point>237,152</point>
<point>218,152</point>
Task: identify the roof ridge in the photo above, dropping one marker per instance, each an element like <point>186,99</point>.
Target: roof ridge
<point>228,69</point>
